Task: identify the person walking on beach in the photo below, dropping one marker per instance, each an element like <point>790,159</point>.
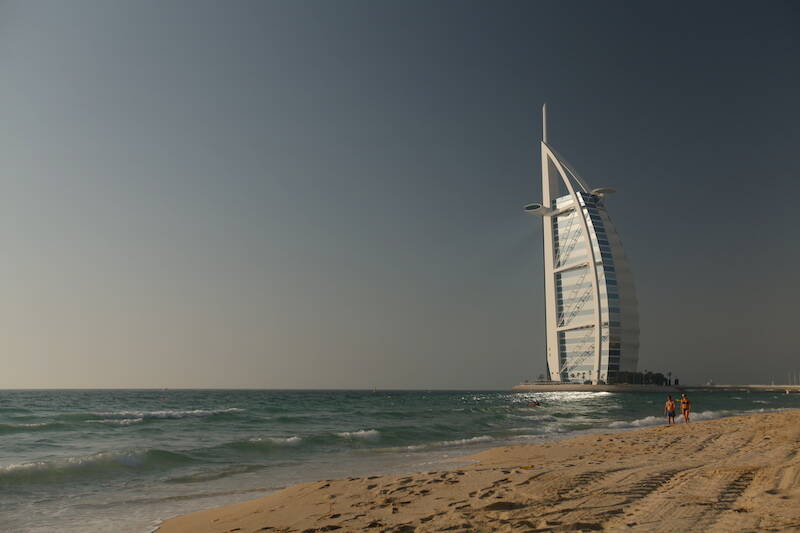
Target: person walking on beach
<point>669,409</point>
<point>686,407</point>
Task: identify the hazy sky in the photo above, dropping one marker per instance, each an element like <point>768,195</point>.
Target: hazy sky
<point>329,194</point>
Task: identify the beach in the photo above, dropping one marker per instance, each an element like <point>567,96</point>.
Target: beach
<point>731,474</point>
<point>93,461</point>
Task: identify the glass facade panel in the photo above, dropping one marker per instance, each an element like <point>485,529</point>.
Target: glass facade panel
<point>576,300</point>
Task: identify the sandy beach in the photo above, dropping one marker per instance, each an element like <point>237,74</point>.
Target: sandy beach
<point>731,474</point>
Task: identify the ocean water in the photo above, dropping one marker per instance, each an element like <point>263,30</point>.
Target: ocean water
<point>123,460</point>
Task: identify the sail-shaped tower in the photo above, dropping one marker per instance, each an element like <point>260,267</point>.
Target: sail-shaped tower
<point>592,318</point>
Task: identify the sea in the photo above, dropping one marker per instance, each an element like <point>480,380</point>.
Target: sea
<point>125,460</point>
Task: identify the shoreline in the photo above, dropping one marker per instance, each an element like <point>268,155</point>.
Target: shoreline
<point>729,474</point>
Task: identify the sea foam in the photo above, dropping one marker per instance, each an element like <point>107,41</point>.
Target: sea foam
<point>703,415</point>
<point>166,413</point>
<point>294,440</point>
<point>28,427</point>
<point>118,421</point>
<point>369,434</point>
<point>447,443</point>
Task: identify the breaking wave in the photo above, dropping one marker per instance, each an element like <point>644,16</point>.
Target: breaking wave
<point>280,441</point>
<point>145,415</point>
<point>66,421</point>
<point>369,434</point>
<point>90,466</point>
<point>661,420</point>
<point>704,415</point>
<point>118,421</point>
<point>29,427</point>
<point>439,444</point>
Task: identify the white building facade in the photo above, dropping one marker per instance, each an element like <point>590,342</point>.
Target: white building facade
<point>592,318</point>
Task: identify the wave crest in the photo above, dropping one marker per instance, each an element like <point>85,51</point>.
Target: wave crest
<point>28,427</point>
<point>32,426</point>
<point>660,420</point>
<point>438,444</point>
<point>368,434</point>
<point>264,444</point>
<point>93,416</point>
<point>95,465</point>
<point>118,421</point>
<point>171,413</point>
<point>285,441</point>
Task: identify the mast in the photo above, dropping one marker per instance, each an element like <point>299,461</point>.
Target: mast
<point>550,188</point>
<point>544,123</point>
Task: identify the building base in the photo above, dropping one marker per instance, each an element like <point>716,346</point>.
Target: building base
<point>579,387</point>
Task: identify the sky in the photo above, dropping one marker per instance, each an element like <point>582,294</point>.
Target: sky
<point>314,194</point>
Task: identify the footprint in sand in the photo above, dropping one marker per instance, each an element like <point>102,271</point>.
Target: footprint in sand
<point>465,525</point>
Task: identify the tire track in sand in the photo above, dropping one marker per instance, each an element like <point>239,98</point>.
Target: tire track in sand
<point>677,505</point>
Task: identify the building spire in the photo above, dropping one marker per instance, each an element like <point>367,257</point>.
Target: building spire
<point>544,123</point>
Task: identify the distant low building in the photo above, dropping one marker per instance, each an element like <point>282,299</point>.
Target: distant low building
<point>592,313</point>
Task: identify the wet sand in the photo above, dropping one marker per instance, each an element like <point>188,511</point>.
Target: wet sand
<point>732,474</point>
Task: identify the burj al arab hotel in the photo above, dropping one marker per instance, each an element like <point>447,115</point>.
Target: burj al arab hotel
<point>591,309</point>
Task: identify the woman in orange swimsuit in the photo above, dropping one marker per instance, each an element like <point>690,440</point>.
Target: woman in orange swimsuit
<point>686,407</point>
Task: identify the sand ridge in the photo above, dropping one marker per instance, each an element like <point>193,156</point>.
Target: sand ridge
<point>732,474</point>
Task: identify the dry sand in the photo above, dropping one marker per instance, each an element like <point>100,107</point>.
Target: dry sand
<point>733,474</point>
